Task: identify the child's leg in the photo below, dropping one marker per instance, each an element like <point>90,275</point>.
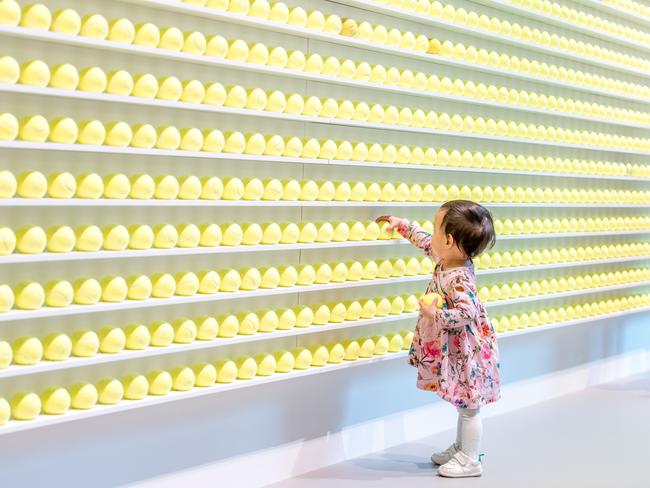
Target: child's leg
<point>459,431</point>
<point>470,431</point>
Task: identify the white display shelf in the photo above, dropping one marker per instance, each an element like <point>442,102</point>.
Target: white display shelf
<point>417,130</point>
<point>564,294</point>
<point>48,312</point>
<point>51,146</point>
<point>14,426</point>
<point>130,253</point>
<point>461,169</point>
<point>74,362</point>
<point>200,107</point>
<point>506,6</point>
<point>74,202</point>
<point>55,37</point>
<point>619,12</point>
<point>230,17</point>
<point>540,267</point>
<point>126,355</point>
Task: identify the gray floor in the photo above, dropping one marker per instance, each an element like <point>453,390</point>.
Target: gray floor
<point>599,437</point>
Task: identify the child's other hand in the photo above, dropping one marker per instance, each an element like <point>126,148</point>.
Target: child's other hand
<point>393,222</point>
<point>428,311</point>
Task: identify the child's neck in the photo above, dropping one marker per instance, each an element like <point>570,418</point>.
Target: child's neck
<point>451,263</point>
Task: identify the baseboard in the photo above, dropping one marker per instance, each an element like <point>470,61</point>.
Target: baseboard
<point>264,467</point>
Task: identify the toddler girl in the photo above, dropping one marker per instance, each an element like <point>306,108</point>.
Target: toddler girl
<point>454,347</point>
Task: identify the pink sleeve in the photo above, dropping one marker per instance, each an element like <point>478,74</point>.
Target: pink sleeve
<point>418,237</point>
<point>463,309</point>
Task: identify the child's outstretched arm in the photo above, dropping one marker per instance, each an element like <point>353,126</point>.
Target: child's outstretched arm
<point>414,233</point>
<point>463,309</point>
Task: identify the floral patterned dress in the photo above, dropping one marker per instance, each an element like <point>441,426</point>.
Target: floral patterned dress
<point>456,352</point>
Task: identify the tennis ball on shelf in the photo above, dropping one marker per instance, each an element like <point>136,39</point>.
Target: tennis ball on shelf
<point>267,321</point>
<point>111,340</point>
<point>368,308</point>
<point>209,282</point>
<point>64,76</point>
<point>161,333</point>
<point>187,283</point>
<point>116,237</point>
<point>89,238</point>
<point>9,12</point>
<point>140,287</point>
<point>33,128</point>
<point>31,240</point>
<point>114,289</point>
<point>27,351</point>
<point>141,237</point>
<point>25,406</point>
<point>194,43</point>
<point>85,343</point>
<point>83,396</point>
<point>183,378</point>
<point>136,386</point>
<point>87,291</point>
<point>323,274</point>
<point>35,16</point>
<point>58,293</point>
<point>29,295</point>
<point>165,236</point>
<point>137,337</point>
<point>93,79</point>
<point>55,401</point>
<point>6,354</point>
<point>189,235</point>
<point>163,285</point>
<point>247,367</point>
<point>8,184</point>
<point>57,347</point>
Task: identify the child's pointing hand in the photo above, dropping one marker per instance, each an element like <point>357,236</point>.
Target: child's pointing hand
<point>393,222</point>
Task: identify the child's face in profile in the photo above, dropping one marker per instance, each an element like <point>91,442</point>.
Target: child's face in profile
<point>443,244</point>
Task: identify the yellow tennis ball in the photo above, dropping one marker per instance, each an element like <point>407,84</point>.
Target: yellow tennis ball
<point>29,295</point>
<point>34,128</point>
<point>137,337</point>
<point>187,283</point>
<point>91,132</point>
<point>160,382</point>
<point>136,386</point>
<point>9,12</point>
<point>6,354</point>
<point>246,367</point>
<point>61,185</point>
<point>64,76</point>
<point>89,238</point>
<point>25,406</point>
<point>7,241</point>
<point>320,355</point>
<point>114,289</point>
<point>118,134</point>
<point>57,347</point>
<point>58,293</point>
<point>161,334</point>
<point>147,35</point>
<point>110,391</point>
<point>189,235</point>
<point>27,351</point>
<point>87,291</point>
<point>121,30</point>
<point>55,401</point>
<point>112,340</point>
<point>145,85</point>
<point>92,79</point>
<point>83,396</point>
<point>9,127</point>
<point>85,343</point>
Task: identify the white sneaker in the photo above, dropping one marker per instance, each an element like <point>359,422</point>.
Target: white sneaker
<point>444,457</point>
<point>461,466</point>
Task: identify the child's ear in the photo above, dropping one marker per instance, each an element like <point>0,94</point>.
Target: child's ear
<point>450,240</point>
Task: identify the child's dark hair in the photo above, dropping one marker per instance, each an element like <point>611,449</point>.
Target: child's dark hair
<point>471,226</point>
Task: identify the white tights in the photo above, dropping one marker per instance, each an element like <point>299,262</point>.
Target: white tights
<point>469,431</point>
